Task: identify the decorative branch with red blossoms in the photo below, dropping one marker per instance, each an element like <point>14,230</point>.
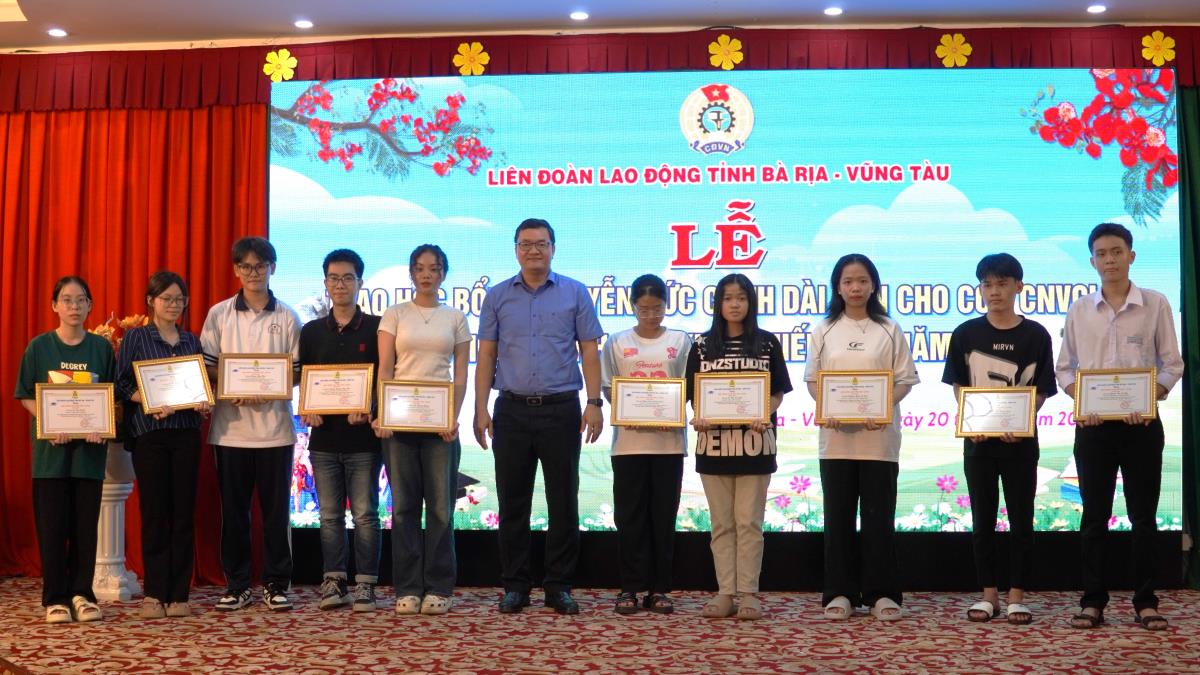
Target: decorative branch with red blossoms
<point>1133,107</point>
<point>390,137</point>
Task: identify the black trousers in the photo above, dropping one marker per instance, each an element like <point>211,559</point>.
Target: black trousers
<point>862,568</point>
<point>166,462</point>
<point>1019,476</point>
<point>525,436</point>
<point>241,471</point>
<point>66,512</point>
<point>1137,451</point>
<point>646,500</point>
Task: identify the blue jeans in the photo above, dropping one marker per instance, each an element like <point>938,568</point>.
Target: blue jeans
<point>356,473</point>
<point>423,468</point>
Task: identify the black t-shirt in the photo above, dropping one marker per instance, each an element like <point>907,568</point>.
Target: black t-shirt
<point>737,449</point>
<point>982,355</point>
<point>322,343</point>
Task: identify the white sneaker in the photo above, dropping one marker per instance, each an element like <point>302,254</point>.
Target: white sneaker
<point>436,604</point>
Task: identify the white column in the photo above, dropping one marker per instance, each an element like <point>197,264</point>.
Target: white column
<point>112,580</point>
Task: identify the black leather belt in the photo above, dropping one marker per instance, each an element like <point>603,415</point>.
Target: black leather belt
<point>544,399</point>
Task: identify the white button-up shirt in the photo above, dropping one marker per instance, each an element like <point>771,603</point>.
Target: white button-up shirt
<point>1139,334</point>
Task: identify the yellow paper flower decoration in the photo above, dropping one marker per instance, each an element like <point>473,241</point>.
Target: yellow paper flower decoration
<point>954,50</point>
<point>1158,48</point>
<point>471,59</point>
<point>280,65</point>
<point>726,52</point>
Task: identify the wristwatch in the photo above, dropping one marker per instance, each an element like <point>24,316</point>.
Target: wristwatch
<point>598,402</point>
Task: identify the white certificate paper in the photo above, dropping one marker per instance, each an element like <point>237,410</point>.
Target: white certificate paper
<point>732,398</point>
<point>415,406</point>
<point>336,389</point>
<point>992,412</point>
<point>267,376</point>
<point>854,396</point>
<point>176,382</point>
<point>77,410</point>
<point>646,402</point>
<point>1115,393</point>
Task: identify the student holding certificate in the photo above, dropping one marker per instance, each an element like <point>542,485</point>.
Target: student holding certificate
<point>166,451</point>
<point>423,340</point>
<point>67,474</point>
<point>860,461</point>
<point>342,447</point>
<point>735,461</point>
<point>1126,327</point>
<point>1001,349</point>
<point>253,437</point>
<point>647,462</point>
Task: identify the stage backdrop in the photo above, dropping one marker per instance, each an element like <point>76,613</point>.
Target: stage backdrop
<point>774,174</point>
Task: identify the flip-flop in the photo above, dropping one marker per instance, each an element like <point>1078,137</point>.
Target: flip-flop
<point>1018,614</point>
<point>982,612</point>
<point>839,609</point>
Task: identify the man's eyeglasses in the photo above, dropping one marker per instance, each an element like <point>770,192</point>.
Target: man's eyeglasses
<point>527,246</point>
<point>344,280</point>
<point>256,270</point>
<point>174,301</point>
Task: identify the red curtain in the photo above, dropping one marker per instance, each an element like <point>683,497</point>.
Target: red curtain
<point>114,195</point>
<point>190,78</point>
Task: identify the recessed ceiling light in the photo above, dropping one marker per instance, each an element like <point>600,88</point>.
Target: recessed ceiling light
<point>833,11</point>
<point>303,23</point>
<point>57,32</point>
<point>1097,9</point>
<point>579,15</point>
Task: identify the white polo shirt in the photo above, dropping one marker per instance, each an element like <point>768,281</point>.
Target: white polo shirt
<point>232,327</point>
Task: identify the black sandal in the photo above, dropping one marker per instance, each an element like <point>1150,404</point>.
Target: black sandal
<point>658,603</point>
<point>1151,621</point>
<point>627,603</point>
<point>1084,620</point>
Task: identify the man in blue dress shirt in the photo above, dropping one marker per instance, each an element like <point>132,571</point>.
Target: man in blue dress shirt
<point>533,329</point>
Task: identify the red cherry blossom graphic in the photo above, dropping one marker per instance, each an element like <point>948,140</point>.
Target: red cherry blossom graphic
<point>1133,109</point>
<point>385,129</point>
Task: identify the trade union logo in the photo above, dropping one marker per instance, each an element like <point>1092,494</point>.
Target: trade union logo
<point>716,118</point>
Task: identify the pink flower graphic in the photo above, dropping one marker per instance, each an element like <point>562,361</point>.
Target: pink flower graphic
<point>783,501</point>
<point>947,483</point>
<point>1002,526</point>
<point>963,501</point>
<point>490,519</point>
<point>800,484</point>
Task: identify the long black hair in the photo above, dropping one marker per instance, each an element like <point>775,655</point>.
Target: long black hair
<point>717,335</point>
<point>837,306</point>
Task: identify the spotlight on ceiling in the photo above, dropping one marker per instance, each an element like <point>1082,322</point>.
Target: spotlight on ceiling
<point>833,11</point>
<point>303,23</point>
<point>579,15</point>
<point>56,32</point>
<point>1097,9</point>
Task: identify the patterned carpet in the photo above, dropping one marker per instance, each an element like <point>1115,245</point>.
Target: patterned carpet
<point>474,638</point>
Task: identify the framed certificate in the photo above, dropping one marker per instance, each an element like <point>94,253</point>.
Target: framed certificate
<point>1116,392</point>
<point>77,410</point>
<point>408,405</point>
<point>854,396</point>
<point>267,376</point>
<point>647,402</point>
<point>180,383</point>
<point>339,389</point>
<point>733,398</point>
<point>996,411</point>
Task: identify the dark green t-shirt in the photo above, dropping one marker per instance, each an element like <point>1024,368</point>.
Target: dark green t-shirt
<point>49,359</point>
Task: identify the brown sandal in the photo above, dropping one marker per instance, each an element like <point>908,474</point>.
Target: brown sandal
<point>627,603</point>
<point>1151,621</point>
<point>1083,620</point>
<point>658,603</point>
